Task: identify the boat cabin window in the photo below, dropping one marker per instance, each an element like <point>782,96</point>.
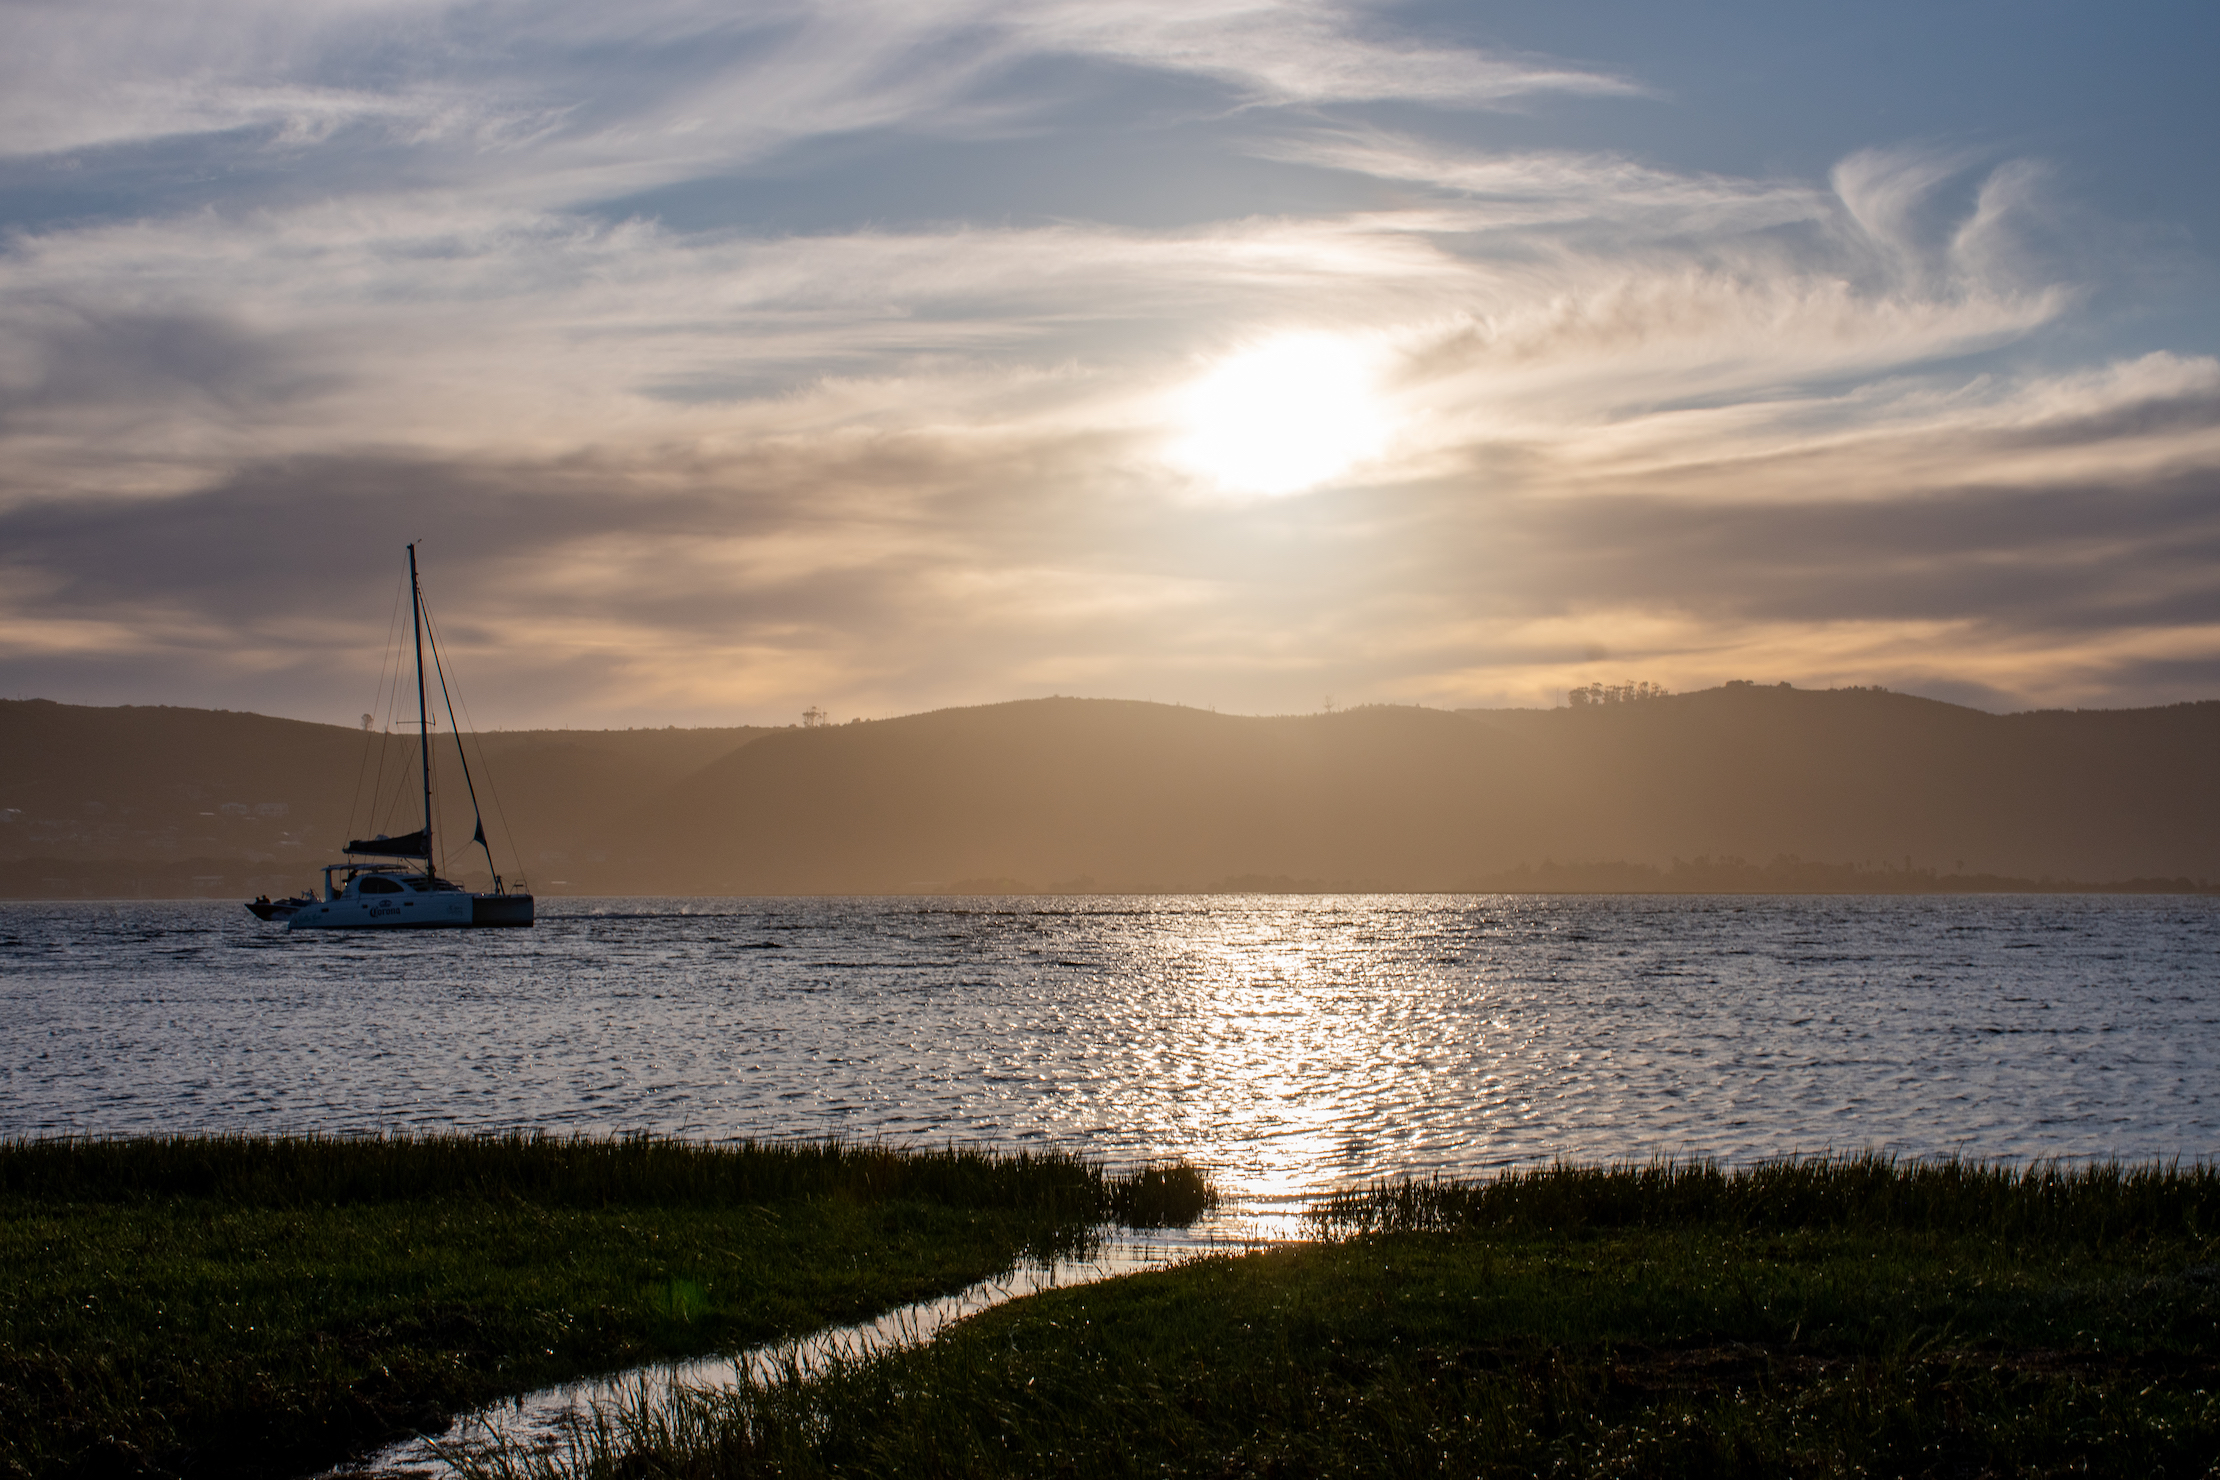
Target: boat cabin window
<point>376,885</point>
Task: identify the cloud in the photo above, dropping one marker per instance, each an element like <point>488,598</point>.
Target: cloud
<point>77,358</point>
<point>1588,194</point>
<point>576,101</point>
<point>1698,421</point>
<point>482,328</point>
<point>895,570</point>
<point>1302,53</point>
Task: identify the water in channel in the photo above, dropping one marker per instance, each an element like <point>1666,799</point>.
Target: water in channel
<point>549,1420</point>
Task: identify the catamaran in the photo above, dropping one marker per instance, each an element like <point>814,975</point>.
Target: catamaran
<point>395,896</point>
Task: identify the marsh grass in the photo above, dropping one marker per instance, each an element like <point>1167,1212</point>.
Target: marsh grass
<point>1159,1196</point>
<point>244,1305</point>
<point>1836,1317</point>
<point>2041,1203</point>
<point>551,1171</point>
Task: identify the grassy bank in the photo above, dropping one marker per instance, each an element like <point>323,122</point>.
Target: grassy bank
<point>1833,1318</point>
<point>250,1306</point>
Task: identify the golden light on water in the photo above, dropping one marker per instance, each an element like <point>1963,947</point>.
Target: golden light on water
<point>1284,415</point>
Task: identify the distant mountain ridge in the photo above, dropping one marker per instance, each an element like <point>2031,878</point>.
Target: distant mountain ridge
<point>1741,787</point>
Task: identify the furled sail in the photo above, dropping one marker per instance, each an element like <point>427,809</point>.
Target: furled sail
<point>417,844</point>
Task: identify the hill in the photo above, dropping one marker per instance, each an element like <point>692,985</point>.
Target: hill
<point>1739,787</point>
<point>1115,795</point>
<point>154,800</point>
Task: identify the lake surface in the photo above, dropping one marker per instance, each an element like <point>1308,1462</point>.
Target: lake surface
<point>1291,1043</point>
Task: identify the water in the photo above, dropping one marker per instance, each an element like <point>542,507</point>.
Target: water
<point>548,1421</point>
<point>1291,1044</point>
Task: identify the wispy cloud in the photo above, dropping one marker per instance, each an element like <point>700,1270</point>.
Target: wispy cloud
<point>1301,52</point>
<point>574,100</point>
<point>1695,421</point>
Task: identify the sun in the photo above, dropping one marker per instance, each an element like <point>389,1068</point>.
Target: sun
<point>1284,415</point>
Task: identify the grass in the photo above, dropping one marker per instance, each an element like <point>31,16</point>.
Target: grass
<point>263,1306</point>
<point>1835,1317</point>
<point>2038,1205</point>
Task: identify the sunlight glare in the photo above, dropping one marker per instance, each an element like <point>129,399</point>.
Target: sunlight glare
<point>1284,415</point>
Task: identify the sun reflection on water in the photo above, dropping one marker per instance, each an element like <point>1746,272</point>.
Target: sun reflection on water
<point>1291,1045</point>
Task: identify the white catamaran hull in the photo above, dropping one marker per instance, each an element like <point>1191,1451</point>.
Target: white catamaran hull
<point>445,909</point>
<point>385,912</point>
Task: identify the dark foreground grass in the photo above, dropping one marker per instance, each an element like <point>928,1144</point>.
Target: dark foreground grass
<point>251,1306</point>
<point>1817,1318</point>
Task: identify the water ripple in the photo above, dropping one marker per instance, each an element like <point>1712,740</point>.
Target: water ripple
<point>1292,1043</point>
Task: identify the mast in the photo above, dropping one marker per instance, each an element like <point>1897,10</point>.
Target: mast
<point>423,727</point>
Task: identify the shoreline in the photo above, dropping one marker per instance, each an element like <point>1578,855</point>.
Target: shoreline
<point>1989,887</point>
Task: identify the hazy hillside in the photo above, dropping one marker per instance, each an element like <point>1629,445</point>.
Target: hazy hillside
<point>206,793</point>
<point>1138,796</point>
<point>1113,795</point>
<point>1097,793</point>
<point>1859,774</point>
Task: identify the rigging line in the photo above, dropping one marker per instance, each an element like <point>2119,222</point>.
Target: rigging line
<point>370,737</point>
<point>394,811</point>
<point>396,807</point>
<point>493,787</point>
<point>373,736</point>
<point>396,721</point>
<point>384,806</point>
<point>440,668</point>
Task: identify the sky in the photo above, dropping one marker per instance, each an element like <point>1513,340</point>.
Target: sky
<point>726,360</point>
